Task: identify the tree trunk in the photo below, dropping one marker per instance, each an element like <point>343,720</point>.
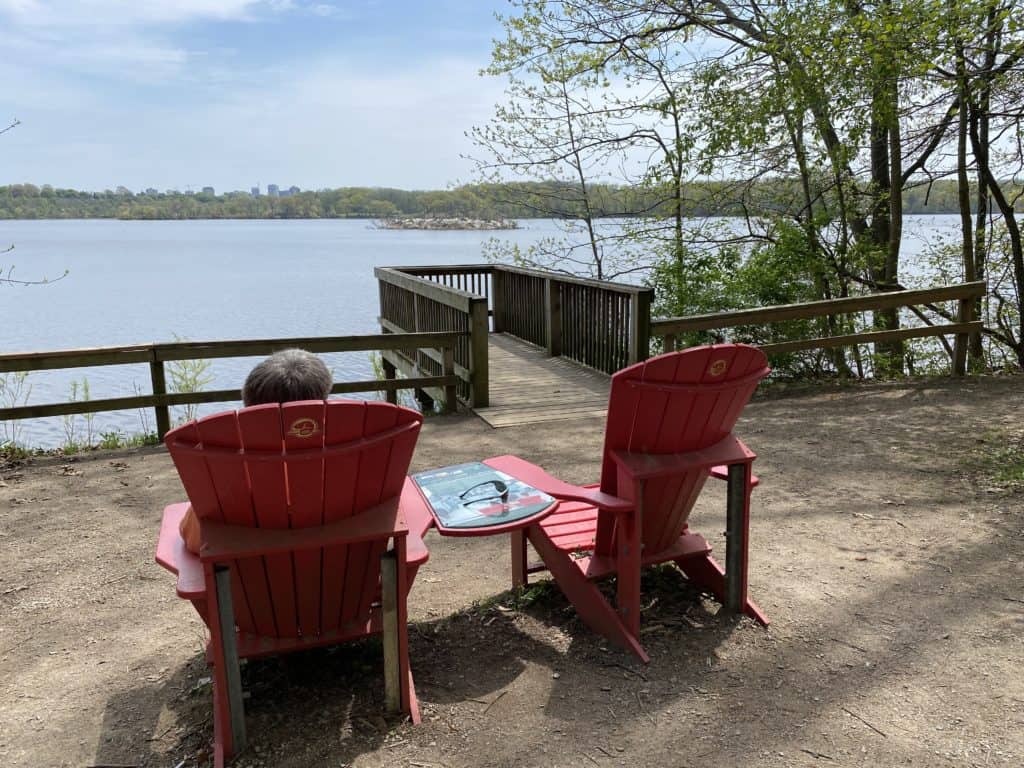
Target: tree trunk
<point>888,355</point>
<point>964,198</point>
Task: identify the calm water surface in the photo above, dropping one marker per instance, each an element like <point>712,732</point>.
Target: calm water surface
<point>142,281</point>
<point>134,282</point>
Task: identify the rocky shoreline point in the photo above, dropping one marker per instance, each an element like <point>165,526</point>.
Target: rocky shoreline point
<point>432,222</point>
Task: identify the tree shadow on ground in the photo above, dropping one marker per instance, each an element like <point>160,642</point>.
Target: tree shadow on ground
<point>744,689</point>
<point>749,692</point>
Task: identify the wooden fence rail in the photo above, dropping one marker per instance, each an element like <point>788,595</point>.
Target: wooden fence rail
<point>964,293</point>
<point>157,354</point>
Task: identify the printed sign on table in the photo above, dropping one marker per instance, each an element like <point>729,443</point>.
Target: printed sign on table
<point>476,496</point>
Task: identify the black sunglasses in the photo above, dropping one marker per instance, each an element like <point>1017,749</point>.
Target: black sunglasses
<point>485,491</point>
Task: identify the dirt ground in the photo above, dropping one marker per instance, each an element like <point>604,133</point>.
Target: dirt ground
<point>890,566</point>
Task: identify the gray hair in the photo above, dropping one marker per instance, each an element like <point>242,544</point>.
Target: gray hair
<point>286,376</point>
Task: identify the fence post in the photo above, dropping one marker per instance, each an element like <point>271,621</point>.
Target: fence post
<point>390,395</point>
<point>498,298</point>
<point>669,343</point>
<point>479,374</point>
<point>163,413</point>
<point>553,317</point>
<point>640,326</point>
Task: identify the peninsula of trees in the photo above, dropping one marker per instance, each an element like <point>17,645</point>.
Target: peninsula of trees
<point>521,200</point>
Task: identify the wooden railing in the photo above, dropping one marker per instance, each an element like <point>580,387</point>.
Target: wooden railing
<point>964,293</point>
<point>598,323</point>
<point>601,324</point>
<point>443,345</point>
<point>474,279</point>
<point>410,303</point>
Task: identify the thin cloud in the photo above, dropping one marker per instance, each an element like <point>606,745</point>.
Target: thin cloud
<point>107,13</point>
<point>202,93</point>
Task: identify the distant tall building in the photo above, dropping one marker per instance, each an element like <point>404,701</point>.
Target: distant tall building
<point>255,191</point>
<point>208,191</point>
<point>273,190</point>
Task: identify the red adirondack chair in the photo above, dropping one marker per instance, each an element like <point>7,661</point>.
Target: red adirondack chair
<point>297,506</point>
<point>669,428</point>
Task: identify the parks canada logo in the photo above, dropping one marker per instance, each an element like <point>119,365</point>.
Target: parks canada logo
<point>718,367</point>
<point>304,428</point>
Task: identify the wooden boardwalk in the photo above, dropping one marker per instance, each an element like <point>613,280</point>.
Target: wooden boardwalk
<point>528,387</point>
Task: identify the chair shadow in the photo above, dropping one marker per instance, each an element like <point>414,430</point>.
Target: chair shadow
<point>676,617</point>
<point>325,703</point>
<point>682,629</point>
<point>328,704</point>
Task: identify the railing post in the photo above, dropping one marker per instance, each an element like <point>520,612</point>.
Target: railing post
<point>640,326</point>
<point>498,299</point>
<point>163,413</point>
<point>669,343</point>
<point>553,317</point>
<point>448,369</point>
<point>478,364</point>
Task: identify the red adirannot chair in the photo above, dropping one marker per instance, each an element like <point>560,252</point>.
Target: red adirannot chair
<point>669,428</point>
<point>298,504</point>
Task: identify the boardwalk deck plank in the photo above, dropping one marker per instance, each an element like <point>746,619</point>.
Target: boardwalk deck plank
<point>528,387</point>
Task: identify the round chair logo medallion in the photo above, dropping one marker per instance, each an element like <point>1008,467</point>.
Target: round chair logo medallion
<point>718,368</point>
<point>304,428</point>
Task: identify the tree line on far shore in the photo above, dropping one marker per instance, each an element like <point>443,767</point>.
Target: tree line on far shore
<point>519,200</point>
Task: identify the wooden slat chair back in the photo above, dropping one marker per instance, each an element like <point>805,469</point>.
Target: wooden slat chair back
<point>301,507</point>
<point>669,428</point>
<point>298,465</point>
<point>674,404</point>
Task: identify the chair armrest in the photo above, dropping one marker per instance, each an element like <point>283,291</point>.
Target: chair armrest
<point>172,554</point>
<point>533,475</point>
<point>721,472</point>
<point>646,466</point>
<point>228,542</point>
<point>418,518</point>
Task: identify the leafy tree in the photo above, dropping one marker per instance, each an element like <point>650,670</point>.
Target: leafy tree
<point>548,129</point>
<point>842,108</point>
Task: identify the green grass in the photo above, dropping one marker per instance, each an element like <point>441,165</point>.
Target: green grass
<point>108,441</point>
<point>1001,457</point>
<point>516,599</point>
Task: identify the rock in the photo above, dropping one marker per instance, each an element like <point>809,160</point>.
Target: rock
<point>432,222</point>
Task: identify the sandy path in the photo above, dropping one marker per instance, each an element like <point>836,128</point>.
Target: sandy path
<point>892,574</point>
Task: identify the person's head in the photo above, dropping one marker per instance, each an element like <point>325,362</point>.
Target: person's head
<point>286,376</point>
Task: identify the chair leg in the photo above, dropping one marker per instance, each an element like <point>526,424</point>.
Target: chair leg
<point>229,711</point>
<point>219,727</point>
<point>399,691</point>
<point>590,604</point>
<point>389,605</point>
<point>520,578</point>
<point>628,559</point>
<point>737,534</point>
<point>707,573</point>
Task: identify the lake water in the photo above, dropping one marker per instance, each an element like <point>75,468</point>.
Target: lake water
<point>142,281</point>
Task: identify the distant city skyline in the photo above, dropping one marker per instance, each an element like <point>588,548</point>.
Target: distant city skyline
<point>215,92</point>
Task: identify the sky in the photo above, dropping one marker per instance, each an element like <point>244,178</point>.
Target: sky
<point>178,94</point>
